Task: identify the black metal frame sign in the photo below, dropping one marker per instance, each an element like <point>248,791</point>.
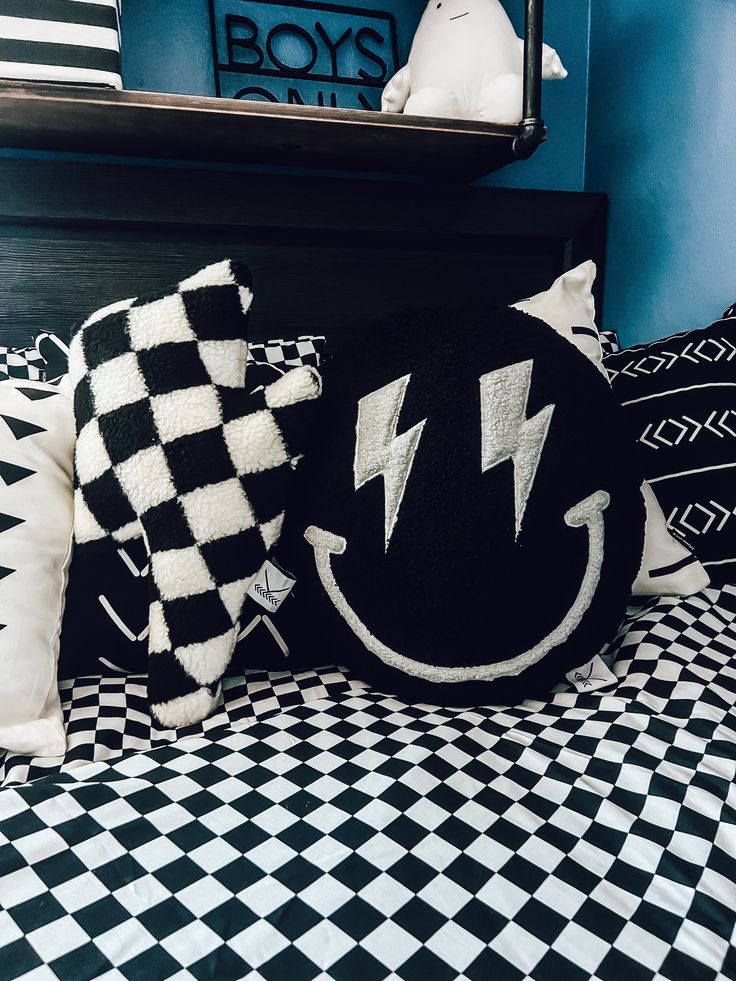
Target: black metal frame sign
<point>303,53</point>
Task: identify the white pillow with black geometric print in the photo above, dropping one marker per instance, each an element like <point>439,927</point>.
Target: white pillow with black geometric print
<point>36,514</point>
<point>106,614</point>
<point>172,448</point>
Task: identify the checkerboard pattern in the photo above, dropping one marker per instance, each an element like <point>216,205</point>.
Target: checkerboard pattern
<point>609,342</point>
<point>24,363</point>
<point>108,717</point>
<point>144,373</point>
<point>268,360</point>
<point>209,542</point>
<point>288,353</point>
<point>590,836</point>
<point>170,445</point>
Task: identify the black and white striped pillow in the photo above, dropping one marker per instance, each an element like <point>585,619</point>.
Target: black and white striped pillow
<point>75,41</point>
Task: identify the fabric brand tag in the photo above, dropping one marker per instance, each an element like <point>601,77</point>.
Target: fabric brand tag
<point>271,586</point>
<point>595,674</point>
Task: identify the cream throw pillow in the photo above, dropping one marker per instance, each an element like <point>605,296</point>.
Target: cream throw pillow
<point>668,567</point>
<point>36,511</point>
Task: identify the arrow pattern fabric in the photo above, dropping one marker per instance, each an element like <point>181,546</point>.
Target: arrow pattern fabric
<point>680,396</point>
<point>36,450</point>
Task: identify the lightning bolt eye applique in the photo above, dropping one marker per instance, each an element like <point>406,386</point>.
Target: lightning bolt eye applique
<point>379,452</point>
<point>507,434</point>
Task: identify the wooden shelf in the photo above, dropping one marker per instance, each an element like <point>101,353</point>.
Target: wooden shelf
<point>179,127</point>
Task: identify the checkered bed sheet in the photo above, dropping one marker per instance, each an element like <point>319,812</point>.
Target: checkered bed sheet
<point>350,836</point>
<point>109,717</point>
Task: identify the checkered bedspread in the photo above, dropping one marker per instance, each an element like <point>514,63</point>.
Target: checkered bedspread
<point>318,829</point>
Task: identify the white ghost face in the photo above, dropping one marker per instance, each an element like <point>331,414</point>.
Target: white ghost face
<point>449,10</point>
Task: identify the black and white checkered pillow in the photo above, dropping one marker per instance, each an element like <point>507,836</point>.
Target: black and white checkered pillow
<point>609,342</point>
<point>23,363</point>
<point>169,448</point>
<point>46,360</point>
<point>106,613</point>
<point>282,354</point>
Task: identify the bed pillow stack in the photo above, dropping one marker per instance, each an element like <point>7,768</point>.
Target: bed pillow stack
<point>172,448</point>
<point>669,567</point>
<point>36,511</point>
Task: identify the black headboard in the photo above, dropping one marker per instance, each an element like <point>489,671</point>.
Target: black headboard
<point>327,255</point>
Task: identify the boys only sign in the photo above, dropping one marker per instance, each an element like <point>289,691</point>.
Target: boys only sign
<point>303,53</point>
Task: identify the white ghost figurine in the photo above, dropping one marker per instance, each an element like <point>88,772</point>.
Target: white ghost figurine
<point>466,62</point>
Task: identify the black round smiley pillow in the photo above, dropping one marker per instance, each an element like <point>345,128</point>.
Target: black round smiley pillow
<point>468,523</point>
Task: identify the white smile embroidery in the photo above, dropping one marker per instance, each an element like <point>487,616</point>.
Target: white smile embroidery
<point>588,512</point>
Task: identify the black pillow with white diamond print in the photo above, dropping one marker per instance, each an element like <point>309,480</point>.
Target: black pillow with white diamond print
<point>461,533</point>
<point>172,448</point>
<point>679,395</point>
<point>106,615</point>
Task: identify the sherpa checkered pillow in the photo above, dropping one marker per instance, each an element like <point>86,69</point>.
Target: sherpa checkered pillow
<point>170,446</point>
<point>106,610</point>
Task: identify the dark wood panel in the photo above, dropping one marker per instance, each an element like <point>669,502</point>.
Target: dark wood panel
<point>58,191</point>
<point>327,255</point>
<point>69,118</point>
<point>299,288</point>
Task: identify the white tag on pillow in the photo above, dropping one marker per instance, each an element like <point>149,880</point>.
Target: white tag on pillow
<point>271,586</point>
<point>591,676</point>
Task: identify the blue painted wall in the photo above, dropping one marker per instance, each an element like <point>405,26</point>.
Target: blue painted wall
<point>167,44</point>
<point>167,48</point>
<point>662,143</point>
<point>560,163</point>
